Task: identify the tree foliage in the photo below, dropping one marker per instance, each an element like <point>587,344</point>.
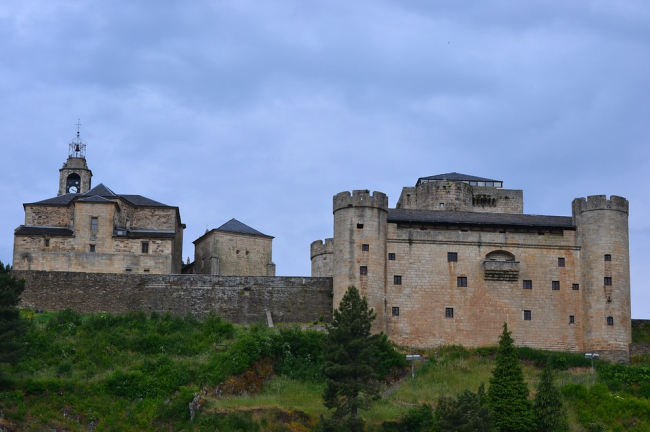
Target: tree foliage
<point>349,366</point>
<point>468,413</point>
<point>508,392</point>
<point>12,327</point>
<point>548,407</point>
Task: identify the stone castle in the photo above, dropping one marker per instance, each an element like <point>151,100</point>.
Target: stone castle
<point>449,264</point>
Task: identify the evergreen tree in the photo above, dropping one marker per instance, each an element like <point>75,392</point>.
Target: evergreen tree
<point>549,410</point>
<point>508,392</point>
<point>349,366</point>
<point>12,327</point>
<point>468,413</point>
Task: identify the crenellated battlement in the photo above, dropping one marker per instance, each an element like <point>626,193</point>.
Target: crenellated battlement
<point>320,248</point>
<point>600,202</point>
<point>360,198</point>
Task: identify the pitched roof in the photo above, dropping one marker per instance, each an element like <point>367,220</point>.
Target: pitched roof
<point>100,193</point>
<point>44,231</point>
<point>139,200</point>
<point>437,217</point>
<point>100,190</point>
<point>233,225</point>
<point>96,199</point>
<point>454,176</point>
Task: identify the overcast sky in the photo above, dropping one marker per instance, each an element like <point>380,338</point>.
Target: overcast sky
<point>263,110</point>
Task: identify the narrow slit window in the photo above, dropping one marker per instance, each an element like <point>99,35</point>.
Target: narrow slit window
<point>572,319</point>
<point>397,280</point>
<point>560,262</point>
<point>395,311</point>
<point>608,281</point>
<point>555,285</point>
<point>365,247</point>
<point>47,242</point>
<point>527,315</point>
<point>461,281</point>
<point>452,256</point>
<point>363,270</point>
<point>528,284</point>
<point>449,312</point>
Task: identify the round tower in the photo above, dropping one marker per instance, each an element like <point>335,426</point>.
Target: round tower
<point>322,258</point>
<point>602,234</point>
<point>444,195</point>
<point>360,236</point>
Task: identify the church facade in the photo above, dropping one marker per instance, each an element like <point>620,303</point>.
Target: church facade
<point>457,257</point>
<point>95,230</point>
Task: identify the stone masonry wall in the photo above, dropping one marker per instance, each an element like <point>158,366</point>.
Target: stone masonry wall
<point>242,300</point>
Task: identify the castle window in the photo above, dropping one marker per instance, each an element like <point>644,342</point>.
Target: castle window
<point>527,315</point>
<point>610,321</point>
<point>395,311</point>
<point>363,270</point>
<point>608,257</point>
<point>575,287</point>
<point>145,247</point>
<point>365,247</point>
<point>528,284</point>
<point>442,206</point>
<point>391,256</point>
<point>608,281</point>
<point>555,285</point>
<point>93,224</point>
<point>560,262</point>
<point>449,312</point>
<point>572,319</point>
<point>47,242</point>
<point>397,280</point>
<point>146,270</point>
<point>359,226</point>
<point>452,256</point>
<point>461,281</point>
<point>128,270</point>
<point>92,248</point>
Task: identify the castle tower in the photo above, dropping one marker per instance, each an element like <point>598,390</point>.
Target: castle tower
<point>360,236</point>
<point>74,176</point>
<point>602,233</point>
<point>322,258</point>
<point>444,195</point>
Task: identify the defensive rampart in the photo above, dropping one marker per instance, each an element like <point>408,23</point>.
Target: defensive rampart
<point>239,299</point>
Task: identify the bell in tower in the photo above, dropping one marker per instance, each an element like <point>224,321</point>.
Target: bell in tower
<point>74,176</point>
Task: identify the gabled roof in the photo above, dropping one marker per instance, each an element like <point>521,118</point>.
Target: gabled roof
<point>100,190</point>
<point>100,193</point>
<point>233,225</point>
<point>454,176</point>
<point>96,199</point>
<point>438,217</point>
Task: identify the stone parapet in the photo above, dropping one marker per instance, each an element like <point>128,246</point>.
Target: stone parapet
<point>360,198</point>
<point>319,248</point>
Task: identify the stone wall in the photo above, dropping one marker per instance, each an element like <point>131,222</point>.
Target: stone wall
<point>241,300</point>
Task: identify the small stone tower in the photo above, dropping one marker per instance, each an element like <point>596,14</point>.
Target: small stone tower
<point>74,176</point>
<point>360,236</point>
<point>602,232</point>
<point>322,258</point>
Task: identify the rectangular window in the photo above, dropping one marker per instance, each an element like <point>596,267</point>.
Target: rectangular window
<point>608,257</point>
<point>555,285</point>
<point>452,256</point>
<point>560,262</point>
<point>47,242</point>
<point>145,247</point>
<point>391,256</point>
<point>146,270</point>
<point>610,321</point>
<point>449,312</point>
<point>575,287</point>
<point>363,271</point>
<point>93,224</point>
<point>461,281</point>
<point>397,280</point>
<point>92,248</point>
<point>359,226</point>
<point>528,284</point>
<point>572,319</point>
<point>365,247</point>
<point>128,270</point>
<point>527,315</point>
<point>608,281</point>
<point>395,311</point>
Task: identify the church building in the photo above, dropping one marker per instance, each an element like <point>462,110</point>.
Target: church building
<point>95,230</point>
<point>457,257</point>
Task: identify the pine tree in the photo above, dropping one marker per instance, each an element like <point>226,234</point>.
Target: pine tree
<point>549,410</point>
<point>468,413</point>
<point>349,363</point>
<point>12,327</point>
<point>508,392</point>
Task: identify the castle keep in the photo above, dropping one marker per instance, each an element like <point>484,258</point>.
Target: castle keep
<point>456,258</point>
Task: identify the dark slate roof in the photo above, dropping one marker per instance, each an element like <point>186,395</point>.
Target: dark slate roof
<point>233,225</point>
<point>475,218</point>
<point>44,231</point>
<point>454,176</point>
<point>100,190</point>
<point>60,200</point>
<point>96,199</point>
<point>139,200</point>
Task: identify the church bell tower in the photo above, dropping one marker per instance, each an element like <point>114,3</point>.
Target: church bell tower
<point>74,176</point>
